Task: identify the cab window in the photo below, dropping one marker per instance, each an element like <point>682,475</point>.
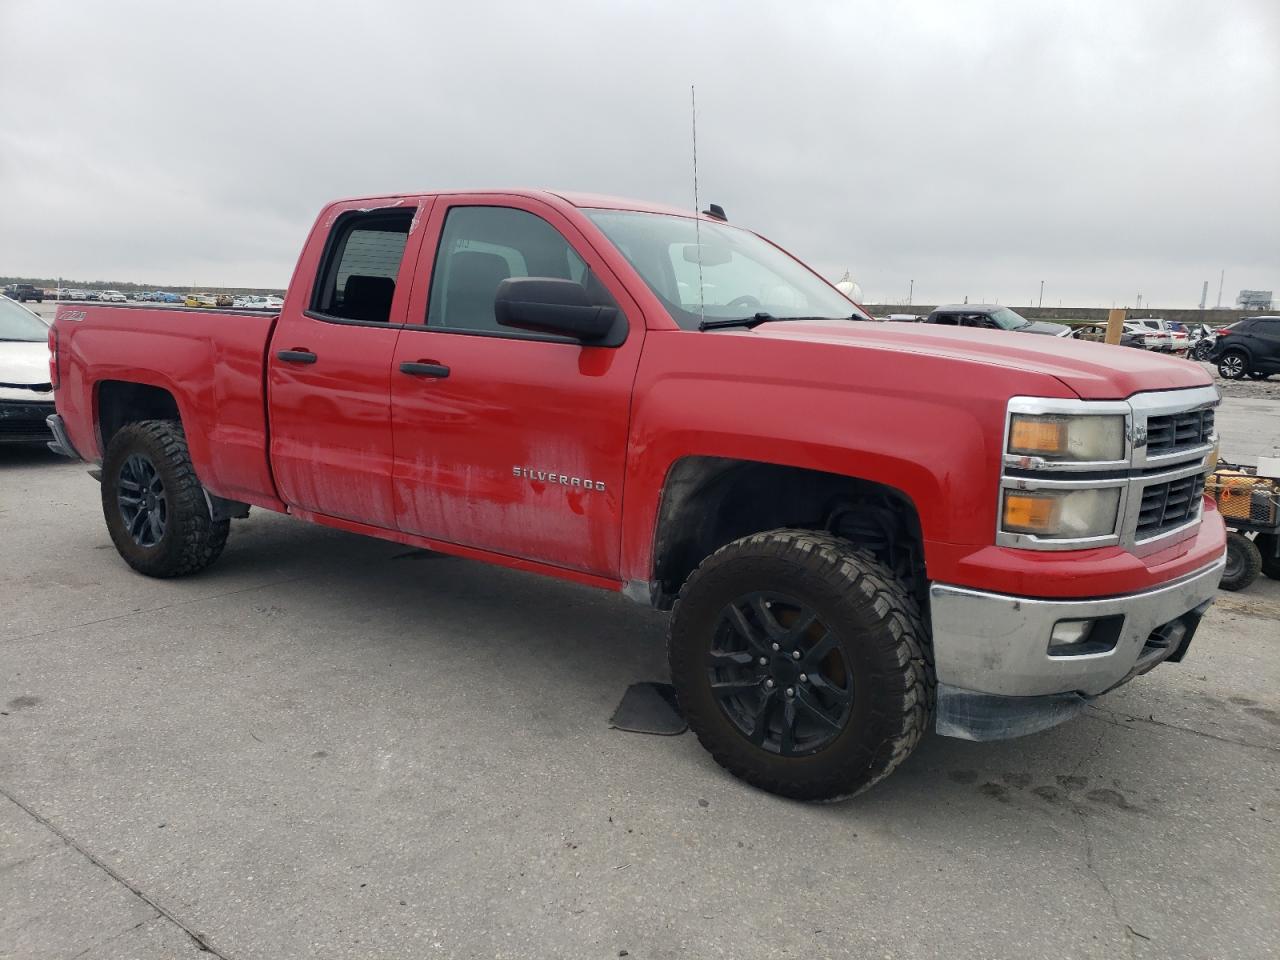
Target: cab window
<point>482,246</point>
<point>362,261</point>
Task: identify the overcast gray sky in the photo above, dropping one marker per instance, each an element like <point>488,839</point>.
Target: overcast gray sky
<point>1108,148</point>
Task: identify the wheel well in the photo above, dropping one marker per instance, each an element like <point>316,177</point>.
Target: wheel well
<point>121,403</point>
<point>710,501</point>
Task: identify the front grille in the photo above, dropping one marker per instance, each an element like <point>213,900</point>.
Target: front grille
<point>23,422</point>
<point>1168,505</point>
<point>1172,432</point>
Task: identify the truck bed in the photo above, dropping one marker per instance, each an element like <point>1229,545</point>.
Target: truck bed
<point>211,361</point>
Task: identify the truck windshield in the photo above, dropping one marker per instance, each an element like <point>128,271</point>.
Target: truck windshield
<point>734,274</point>
<point>20,324</point>
<point>1006,319</point>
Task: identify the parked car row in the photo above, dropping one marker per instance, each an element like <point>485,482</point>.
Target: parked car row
<point>26,291</point>
<point>1247,348</point>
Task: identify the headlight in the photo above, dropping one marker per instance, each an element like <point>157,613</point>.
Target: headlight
<point>1061,514</point>
<point>1063,437</point>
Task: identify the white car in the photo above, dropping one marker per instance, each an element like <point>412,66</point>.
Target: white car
<point>26,396</point>
<point>113,296</point>
<point>1158,334</point>
<point>1153,338</point>
<point>258,303</point>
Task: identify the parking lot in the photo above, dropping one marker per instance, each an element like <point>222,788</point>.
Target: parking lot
<point>337,747</point>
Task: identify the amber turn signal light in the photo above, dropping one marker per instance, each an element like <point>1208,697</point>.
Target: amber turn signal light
<point>1027,513</point>
<point>1038,435</point>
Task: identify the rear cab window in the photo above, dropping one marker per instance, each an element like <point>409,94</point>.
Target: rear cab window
<point>361,262</point>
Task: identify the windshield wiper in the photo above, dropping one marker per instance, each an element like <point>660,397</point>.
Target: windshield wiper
<point>752,321</point>
<point>758,318</point>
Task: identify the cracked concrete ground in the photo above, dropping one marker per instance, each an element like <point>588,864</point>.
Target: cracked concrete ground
<point>328,746</point>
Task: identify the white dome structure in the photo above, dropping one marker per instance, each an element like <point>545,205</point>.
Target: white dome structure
<point>849,288</point>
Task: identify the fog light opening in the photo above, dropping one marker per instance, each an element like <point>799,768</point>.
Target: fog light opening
<point>1069,636</point>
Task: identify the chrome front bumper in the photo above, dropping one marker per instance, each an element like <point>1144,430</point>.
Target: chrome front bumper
<point>995,675</point>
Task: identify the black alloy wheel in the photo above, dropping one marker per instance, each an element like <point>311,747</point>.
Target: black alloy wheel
<point>778,674</point>
<point>157,513</point>
<point>144,506</point>
<point>802,663</point>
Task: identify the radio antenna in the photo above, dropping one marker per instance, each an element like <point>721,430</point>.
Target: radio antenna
<point>697,217</point>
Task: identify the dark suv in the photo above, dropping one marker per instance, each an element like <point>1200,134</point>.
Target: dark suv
<point>992,316</point>
<point>1248,348</point>
<point>23,292</point>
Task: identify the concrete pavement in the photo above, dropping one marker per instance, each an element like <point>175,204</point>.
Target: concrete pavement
<point>327,746</point>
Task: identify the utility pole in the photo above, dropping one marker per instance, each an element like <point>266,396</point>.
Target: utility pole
<point>1041,304</point>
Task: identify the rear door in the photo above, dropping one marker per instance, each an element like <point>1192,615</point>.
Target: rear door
<point>509,441</point>
<point>329,363</point>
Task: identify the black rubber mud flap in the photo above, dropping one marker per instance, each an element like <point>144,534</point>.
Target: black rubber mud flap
<point>649,708</point>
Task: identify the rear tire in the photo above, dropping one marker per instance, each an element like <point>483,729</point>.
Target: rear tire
<point>848,692</point>
<point>1244,562</point>
<point>1233,365</point>
<point>154,505</point>
<point>1265,544</point>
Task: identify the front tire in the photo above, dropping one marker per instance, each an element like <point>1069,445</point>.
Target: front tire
<point>1244,562</point>
<point>801,663</point>
<point>154,505</point>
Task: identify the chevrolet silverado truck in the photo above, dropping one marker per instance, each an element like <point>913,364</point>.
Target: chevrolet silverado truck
<point>863,530</point>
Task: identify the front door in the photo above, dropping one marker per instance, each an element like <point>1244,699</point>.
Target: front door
<point>329,366</point>
<point>1266,333</point>
<point>508,441</point>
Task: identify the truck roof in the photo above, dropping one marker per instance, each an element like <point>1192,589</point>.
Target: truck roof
<point>566,196</point>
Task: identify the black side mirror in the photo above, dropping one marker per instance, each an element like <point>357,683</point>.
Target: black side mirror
<point>561,307</point>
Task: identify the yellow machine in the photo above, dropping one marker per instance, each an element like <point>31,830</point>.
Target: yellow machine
<point>1249,504</point>
<point>1242,496</point>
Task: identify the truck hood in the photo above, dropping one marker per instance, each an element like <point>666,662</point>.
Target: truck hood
<point>1093,371</point>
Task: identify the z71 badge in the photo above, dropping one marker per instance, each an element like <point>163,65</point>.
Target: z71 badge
<point>550,476</point>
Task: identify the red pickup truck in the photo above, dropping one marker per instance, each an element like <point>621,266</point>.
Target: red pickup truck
<point>862,529</point>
